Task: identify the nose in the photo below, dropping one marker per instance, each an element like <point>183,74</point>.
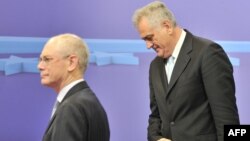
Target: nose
<point>149,44</point>
<point>40,65</point>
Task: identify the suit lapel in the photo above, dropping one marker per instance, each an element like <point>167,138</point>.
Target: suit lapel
<point>77,87</point>
<point>162,72</point>
<point>50,122</point>
<point>181,62</point>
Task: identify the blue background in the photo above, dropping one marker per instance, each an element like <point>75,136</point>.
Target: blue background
<point>25,105</point>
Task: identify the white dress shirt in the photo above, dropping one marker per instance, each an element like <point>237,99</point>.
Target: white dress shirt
<point>63,93</point>
<point>169,66</point>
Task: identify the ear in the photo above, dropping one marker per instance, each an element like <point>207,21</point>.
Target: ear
<point>73,62</point>
<point>168,25</point>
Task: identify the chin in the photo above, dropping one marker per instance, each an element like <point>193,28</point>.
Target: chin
<point>160,55</point>
<point>43,82</point>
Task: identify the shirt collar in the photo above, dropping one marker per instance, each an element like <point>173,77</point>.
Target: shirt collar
<point>179,45</point>
<point>65,90</point>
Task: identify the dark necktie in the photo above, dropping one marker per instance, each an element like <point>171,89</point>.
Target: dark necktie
<point>54,108</point>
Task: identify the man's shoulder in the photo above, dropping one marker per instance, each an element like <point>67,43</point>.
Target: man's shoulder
<point>196,39</point>
<point>82,100</point>
<point>85,94</point>
<point>156,61</point>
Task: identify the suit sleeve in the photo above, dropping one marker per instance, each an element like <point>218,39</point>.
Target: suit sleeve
<point>154,127</point>
<point>71,124</point>
<point>217,73</point>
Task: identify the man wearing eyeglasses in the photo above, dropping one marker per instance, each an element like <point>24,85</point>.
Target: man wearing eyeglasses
<point>78,114</point>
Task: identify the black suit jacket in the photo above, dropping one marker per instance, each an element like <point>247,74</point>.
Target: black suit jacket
<point>200,97</point>
<point>79,117</point>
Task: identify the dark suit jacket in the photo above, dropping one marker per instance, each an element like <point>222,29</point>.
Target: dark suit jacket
<point>79,117</point>
<point>200,97</point>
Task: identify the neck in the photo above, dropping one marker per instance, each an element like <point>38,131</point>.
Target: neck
<point>67,82</point>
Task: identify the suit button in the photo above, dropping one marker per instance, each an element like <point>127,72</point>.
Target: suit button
<point>172,123</point>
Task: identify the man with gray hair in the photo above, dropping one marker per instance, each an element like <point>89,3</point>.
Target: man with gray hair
<point>192,90</point>
<point>77,115</point>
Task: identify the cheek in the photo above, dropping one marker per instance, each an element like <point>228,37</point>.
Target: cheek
<point>159,40</point>
<point>57,71</point>
<point>53,75</point>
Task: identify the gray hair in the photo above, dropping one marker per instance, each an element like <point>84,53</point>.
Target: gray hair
<point>72,44</point>
<point>156,12</point>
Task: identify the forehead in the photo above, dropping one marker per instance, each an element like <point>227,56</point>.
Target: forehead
<point>144,28</point>
<point>50,49</point>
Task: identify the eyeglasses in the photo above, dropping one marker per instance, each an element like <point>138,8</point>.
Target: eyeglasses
<point>45,59</point>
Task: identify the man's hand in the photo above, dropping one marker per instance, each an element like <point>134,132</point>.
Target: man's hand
<point>163,139</point>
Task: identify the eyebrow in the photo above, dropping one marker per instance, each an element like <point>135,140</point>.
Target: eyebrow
<point>148,37</point>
